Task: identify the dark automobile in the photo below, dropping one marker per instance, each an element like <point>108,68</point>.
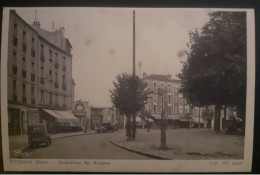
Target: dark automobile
<point>38,135</point>
<point>105,127</point>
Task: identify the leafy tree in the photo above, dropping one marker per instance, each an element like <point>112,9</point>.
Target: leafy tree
<point>215,70</point>
<point>129,96</point>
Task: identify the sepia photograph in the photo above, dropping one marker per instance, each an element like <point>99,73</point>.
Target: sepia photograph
<point>89,89</point>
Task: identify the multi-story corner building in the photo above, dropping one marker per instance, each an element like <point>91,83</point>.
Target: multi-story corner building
<point>173,102</point>
<point>39,75</point>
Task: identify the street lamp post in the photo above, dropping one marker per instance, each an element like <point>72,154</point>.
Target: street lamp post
<point>163,145</point>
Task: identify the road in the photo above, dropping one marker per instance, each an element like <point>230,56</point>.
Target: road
<point>94,146</point>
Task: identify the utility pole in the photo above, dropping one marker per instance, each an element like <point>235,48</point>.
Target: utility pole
<point>163,145</point>
<point>133,43</point>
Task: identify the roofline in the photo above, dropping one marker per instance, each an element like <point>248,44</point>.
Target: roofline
<point>28,25</point>
<point>20,18</point>
<point>53,45</point>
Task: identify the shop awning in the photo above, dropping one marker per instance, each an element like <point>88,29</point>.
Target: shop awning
<point>62,116</point>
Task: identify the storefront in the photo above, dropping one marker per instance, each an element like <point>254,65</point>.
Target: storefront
<point>59,121</point>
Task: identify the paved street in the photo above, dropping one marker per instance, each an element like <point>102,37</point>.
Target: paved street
<point>95,146</point>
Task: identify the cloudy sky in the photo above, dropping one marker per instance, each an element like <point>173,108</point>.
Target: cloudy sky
<point>102,41</point>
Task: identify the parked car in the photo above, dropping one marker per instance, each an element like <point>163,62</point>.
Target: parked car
<point>105,127</point>
<point>38,135</point>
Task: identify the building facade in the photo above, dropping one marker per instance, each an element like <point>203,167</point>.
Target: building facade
<point>178,112</point>
<point>39,73</point>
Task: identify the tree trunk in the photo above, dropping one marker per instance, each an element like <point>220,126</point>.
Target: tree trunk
<point>225,118</point>
<point>128,128</point>
<point>215,119</point>
<point>163,145</point>
<point>134,127</point>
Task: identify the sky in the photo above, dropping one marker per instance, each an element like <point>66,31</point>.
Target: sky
<point>102,41</point>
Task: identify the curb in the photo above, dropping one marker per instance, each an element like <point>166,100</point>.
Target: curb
<point>72,135</point>
<point>139,152</point>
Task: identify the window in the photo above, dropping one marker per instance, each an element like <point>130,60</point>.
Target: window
<point>42,52</point>
<point>63,79</point>
<point>15,29</point>
<point>169,110</point>
<point>50,76</point>
<point>42,71</point>
<point>33,43</point>
<point>175,99</point>
<point>180,110</point>
<point>175,110</point>
<point>24,90</point>
<point>32,65</point>
<point>32,92</point>
<point>186,111</point>
<point>14,87</point>
<point>50,52</point>
<point>56,77</point>
<point>169,98</point>
<point>154,108</point>
<point>154,86</point>
<point>24,36</point>
<point>181,101</point>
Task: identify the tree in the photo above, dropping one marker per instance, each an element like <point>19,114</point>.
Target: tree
<point>208,115</point>
<point>215,70</point>
<point>129,96</point>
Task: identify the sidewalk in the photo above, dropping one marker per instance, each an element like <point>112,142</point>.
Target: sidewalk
<point>184,144</point>
<point>21,142</point>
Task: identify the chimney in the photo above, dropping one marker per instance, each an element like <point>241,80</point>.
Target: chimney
<point>62,30</point>
<point>36,25</point>
<point>169,77</point>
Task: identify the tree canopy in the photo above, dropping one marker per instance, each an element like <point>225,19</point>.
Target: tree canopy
<point>129,94</point>
<point>215,70</point>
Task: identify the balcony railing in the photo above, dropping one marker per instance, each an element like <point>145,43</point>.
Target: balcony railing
<point>56,65</point>
<point>32,52</point>
<point>42,80</point>
<point>42,58</point>
<point>33,77</point>
<point>14,69</point>
<point>24,99</point>
<point>64,68</point>
<point>56,85</point>
<point>24,73</point>
<point>15,41</point>
<point>33,101</point>
<point>64,87</point>
<point>24,47</point>
<point>15,98</point>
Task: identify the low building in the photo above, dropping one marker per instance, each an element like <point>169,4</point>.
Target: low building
<point>100,115</point>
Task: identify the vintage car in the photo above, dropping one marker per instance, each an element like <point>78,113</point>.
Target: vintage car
<point>38,135</point>
<point>105,127</point>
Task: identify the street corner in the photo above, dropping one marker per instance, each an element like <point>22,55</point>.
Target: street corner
<point>121,142</point>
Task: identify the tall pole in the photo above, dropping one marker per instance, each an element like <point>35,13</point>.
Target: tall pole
<point>133,43</point>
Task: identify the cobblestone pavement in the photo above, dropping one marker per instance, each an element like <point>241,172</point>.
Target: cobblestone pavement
<point>185,144</point>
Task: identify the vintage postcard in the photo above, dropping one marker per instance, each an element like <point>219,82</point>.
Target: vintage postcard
<point>127,89</point>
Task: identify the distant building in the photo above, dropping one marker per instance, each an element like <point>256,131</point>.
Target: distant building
<point>178,112</point>
<point>100,115</point>
<point>40,85</point>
